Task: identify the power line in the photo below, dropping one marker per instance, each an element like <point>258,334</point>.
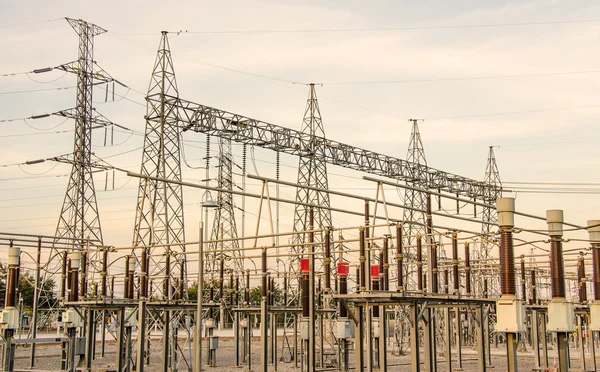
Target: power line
<point>32,23</point>
<point>514,112</point>
<point>37,90</point>
<point>369,29</point>
<point>464,78</point>
<point>552,183</point>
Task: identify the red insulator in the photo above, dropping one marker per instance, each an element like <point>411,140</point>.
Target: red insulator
<point>304,265</point>
<point>374,271</point>
<point>343,268</point>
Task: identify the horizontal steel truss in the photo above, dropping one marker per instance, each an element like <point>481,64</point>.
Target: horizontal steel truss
<point>238,128</point>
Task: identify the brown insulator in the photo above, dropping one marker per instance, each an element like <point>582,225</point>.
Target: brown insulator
<point>112,287</point>
<point>131,289</point>
<point>446,284</point>
<point>375,285</point>
<point>386,264</point>
<point>596,271</point>
<point>181,290</point>
<point>327,261</point>
<point>358,271</point>
<point>557,273</point>
<point>247,289</point>
<point>467,269</point>
<point>144,277</point>
<point>264,273</point>
<point>429,221</point>
<point>285,289</point>
<point>485,288</point>
<point>305,300</point>
<point>419,264</point>
<point>167,280</point>
<point>74,290</point>
<point>434,271</point>
<point>11,288</point>
<point>231,284</point>
<point>237,290</point>
<point>84,266</point>
<point>126,279</point>
<point>222,279</point>
<point>399,257</point>
<point>533,299</point>
<point>381,285</point>
<point>523,288</point>
<point>363,268</point>
<point>507,264</point>
<point>343,290</point>
<point>63,277</point>
<point>455,278</point>
<point>581,279</point>
<point>105,273</point>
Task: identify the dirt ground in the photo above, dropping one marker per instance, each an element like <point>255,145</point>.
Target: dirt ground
<point>48,359</point>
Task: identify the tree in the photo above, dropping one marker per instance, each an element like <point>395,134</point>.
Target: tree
<point>256,295</point>
<point>26,288</point>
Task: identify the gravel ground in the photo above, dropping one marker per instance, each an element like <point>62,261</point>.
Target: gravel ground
<point>48,359</point>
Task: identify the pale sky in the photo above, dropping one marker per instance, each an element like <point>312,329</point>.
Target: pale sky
<point>528,86</point>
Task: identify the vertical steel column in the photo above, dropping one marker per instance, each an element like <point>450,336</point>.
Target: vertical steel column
<point>415,357</point>
<point>236,337</point>
<point>264,316</point>
<point>360,338</point>
<point>480,323</point>
<point>311,297</point>
<point>91,332</point>
<point>36,301</point>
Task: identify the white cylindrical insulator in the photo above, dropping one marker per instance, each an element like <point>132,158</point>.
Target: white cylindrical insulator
<point>75,260</point>
<point>554,218</point>
<point>14,254</point>
<point>506,212</point>
<point>594,230</point>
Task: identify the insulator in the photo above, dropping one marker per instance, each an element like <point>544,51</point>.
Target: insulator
<point>507,266</point>
<point>557,273</point>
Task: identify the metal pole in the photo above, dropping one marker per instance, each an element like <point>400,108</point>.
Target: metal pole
<point>264,316</point>
<point>36,301</point>
<point>200,294</point>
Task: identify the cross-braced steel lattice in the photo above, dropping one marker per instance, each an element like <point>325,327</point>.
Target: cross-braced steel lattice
<point>492,191</point>
<point>224,226</point>
<point>159,212</point>
<point>79,217</point>
<point>312,172</point>
<point>417,164</point>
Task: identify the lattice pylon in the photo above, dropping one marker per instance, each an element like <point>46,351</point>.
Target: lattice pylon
<point>159,213</point>
<point>492,191</point>
<point>79,220</point>
<point>412,198</point>
<point>224,225</point>
<point>311,172</point>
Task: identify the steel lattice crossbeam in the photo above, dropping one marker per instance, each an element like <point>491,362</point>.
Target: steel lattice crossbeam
<point>204,119</point>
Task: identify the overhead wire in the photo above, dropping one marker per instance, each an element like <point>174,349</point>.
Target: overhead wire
<point>392,28</point>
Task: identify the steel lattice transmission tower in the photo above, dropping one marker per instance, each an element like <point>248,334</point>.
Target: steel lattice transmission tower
<point>79,218</point>
<point>224,226</point>
<point>491,192</point>
<point>312,171</point>
<point>159,212</point>
<point>415,157</point>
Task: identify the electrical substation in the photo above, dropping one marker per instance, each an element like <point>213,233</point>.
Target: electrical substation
<point>399,290</point>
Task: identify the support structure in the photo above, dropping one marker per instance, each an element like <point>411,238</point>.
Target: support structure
<point>414,198</point>
<point>159,212</point>
<point>312,172</point>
